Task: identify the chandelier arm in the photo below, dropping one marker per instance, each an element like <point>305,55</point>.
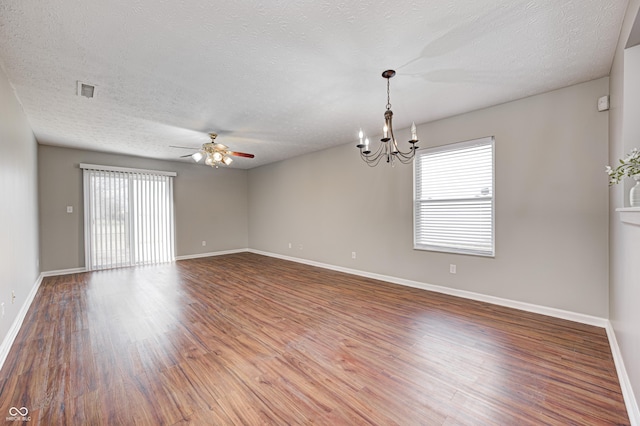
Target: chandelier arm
<point>408,155</point>
<point>373,159</point>
<point>388,151</point>
<point>395,144</point>
<point>404,160</point>
<point>405,154</point>
<point>374,156</point>
<point>374,162</point>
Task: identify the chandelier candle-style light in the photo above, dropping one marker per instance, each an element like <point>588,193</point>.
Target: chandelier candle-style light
<point>388,149</point>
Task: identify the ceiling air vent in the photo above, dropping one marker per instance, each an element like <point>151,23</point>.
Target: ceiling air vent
<point>87,90</point>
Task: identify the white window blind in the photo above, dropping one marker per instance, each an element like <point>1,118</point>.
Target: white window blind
<point>128,217</point>
<point>453,200</point>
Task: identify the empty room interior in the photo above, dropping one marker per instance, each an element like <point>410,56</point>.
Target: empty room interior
<point>320,212</point>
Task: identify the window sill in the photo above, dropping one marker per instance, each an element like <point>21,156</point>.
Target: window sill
<point>630,215</point>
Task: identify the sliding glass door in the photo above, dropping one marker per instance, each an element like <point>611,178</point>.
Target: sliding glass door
<point>128,218</point>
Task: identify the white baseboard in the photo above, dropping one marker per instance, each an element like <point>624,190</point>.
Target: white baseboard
<point>215,253</point>
<point>63,272</point>
<point>538,309</point>
<point>5,347</point>
<point>623,378</point>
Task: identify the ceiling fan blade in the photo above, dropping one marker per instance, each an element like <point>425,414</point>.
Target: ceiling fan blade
<point>185,156</point>
<point>183,147</point>
<point>241,154</point>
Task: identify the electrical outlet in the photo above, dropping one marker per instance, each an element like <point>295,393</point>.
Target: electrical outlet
<point>452,268</point>
<point>69,209</point>
<point>353,254</point>
<point>204,243</point>
<point>289,245</point>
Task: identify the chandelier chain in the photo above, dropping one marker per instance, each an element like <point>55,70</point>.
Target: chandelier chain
<point>388,96</point>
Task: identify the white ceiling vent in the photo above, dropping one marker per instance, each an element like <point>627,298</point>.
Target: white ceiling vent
<point>87,90</point>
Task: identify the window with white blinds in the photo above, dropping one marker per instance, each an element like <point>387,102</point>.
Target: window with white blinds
<point>128,217</point>
<point>453,200</point>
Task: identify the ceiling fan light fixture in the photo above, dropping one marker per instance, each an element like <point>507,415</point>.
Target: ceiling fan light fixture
<point>215,154</point>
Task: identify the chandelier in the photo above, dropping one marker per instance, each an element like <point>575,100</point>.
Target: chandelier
<point>388,149</point>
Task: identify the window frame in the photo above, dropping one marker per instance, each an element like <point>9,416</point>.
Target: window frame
<point>488,140</point>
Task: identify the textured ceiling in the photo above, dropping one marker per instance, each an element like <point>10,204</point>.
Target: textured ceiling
<point>282,78</point>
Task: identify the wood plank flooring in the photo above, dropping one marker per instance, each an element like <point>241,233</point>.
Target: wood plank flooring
<point>247,339</point>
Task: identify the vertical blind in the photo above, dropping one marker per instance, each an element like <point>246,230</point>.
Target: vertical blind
<point>128,217</point>
<point>453,200</point>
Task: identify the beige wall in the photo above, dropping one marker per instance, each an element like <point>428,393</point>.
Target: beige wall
<point>210,204</point>
<point>624,134</point>
<point>551,205</point>
<point>19,210</point>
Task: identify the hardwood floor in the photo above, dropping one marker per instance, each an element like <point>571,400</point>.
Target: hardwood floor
<point>247,339</point>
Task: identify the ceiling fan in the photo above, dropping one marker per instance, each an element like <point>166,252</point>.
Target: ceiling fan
<point>214,154</point>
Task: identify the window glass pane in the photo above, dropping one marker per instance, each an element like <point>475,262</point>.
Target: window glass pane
<point>454,198</point>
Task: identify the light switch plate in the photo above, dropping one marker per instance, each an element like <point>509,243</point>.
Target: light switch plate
<point>603,103</point>
<point>69,209</point>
